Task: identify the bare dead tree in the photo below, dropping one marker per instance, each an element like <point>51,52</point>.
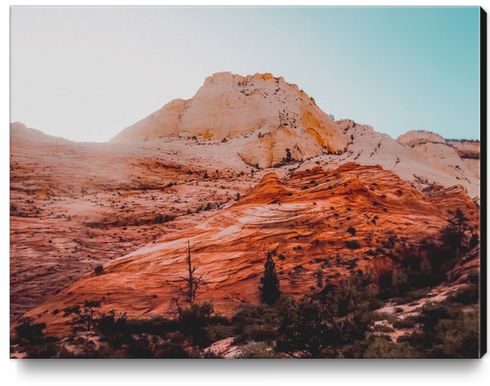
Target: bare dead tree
<point>174,308</point>
<point>192,282</point>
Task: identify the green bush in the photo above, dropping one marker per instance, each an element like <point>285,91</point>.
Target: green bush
<point>352,231</point>
<point>30,333</point>
<point>446,332</point>
<point>352,244</point>
<point>384,348</point>
<point>257,350</point>
<point>194,321</point>
<point>466,295</point>
<point>407,322</point>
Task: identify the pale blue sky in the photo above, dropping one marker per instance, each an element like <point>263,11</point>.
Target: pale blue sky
<point>86,73</point>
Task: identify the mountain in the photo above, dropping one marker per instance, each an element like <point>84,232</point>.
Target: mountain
<point>261,115</point>
<point>214,171</point>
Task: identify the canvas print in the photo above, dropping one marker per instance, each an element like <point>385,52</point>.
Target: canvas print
<point>282,182</point>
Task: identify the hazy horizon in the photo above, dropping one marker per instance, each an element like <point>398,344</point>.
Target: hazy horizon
<point>86,73</point>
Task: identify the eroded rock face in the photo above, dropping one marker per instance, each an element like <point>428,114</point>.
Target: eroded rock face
<point>459,159</point>
<point>423,164</point>
<point>260,116</point>
<point>74,206</point>
<point>302,219</point>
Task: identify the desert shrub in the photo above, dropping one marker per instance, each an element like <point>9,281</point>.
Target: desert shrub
<point>257,333</point>
<point>249,315</point>
<point>407,322</point>
<point>98,270</point>
<point>473,276</point>
<point>257,350</point>
<point>84,316</point>
<point>194,322</point>
<point>376,316</point>
<point>465,295</point>
<point>399,282</point>
<point>218,319</point>
<point>305,330</point>
<point>383,328</point>
<point>150,346</point>
<point>219,332</point>
<point>352,231</point>
<point>336,316</point>
<point>208,354</point>
<point>30,333</point>
<point>162,218</point>
<point>352,244</point>
<point>474,240</point>
<point>43,350</point>
<point>383,347</point>
<point>446,332</point>
<point>417,294</point>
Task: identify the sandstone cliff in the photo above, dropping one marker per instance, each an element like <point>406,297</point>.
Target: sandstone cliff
<point>259,115</point>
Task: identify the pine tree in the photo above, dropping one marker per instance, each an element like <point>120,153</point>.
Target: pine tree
<point>453,234</point>
<point>270,282</point>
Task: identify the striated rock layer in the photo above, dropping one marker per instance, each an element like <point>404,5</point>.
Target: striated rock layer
<point>419,161</point>
<point>74,206</point>
<point>459,159</point>
<point>302,219</point>
<point>262,115</point>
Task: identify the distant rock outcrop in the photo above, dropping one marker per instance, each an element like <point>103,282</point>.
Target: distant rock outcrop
<point>419,157</point>
<point>260,115</point>
<point>20,132</point>
<point>459,159</point>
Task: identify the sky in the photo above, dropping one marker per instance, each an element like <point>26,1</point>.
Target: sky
<point>87,73</point>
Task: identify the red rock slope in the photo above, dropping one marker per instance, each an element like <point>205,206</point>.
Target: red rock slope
<point>74,206</point>
<point>304,218</point>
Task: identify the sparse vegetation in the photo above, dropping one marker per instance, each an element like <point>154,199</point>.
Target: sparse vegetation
<point>352,244</point>
<point>352,231</point>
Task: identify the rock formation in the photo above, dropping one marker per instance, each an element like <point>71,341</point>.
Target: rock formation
<point>303,220</point>
<point>413,159</point>
<point>188,172</point>
<point>260,114</point>
<point>459,159</point>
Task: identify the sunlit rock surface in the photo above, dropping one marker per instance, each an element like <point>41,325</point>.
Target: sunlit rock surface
<point>260,115</point>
